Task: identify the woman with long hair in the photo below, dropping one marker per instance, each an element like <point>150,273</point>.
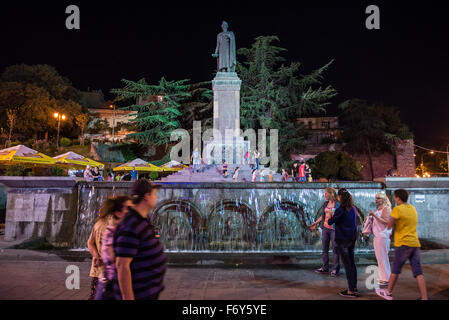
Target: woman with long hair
<point>235,176</point>
<point>345,223</point>
<point>108,211</point>
<point>328,233</point>
<point>113,210</point>
<point>382,235</point>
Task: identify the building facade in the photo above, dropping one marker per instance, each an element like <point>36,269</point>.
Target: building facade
<point>323,134</point>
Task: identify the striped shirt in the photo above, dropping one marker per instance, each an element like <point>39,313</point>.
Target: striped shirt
<point>135,238</point>
<point>107,255</point>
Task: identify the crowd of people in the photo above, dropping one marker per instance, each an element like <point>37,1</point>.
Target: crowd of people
<point>128,261</point>
<point>338,221</point>
<point>94,174</point>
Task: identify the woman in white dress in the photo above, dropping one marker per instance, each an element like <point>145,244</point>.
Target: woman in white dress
<point>382,236</point>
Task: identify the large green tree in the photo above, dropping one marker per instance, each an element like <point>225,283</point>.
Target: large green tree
<point>335,165</point>
<point>369,128</point>
<point>155,119</point>
<point>197,106</point>
<point>274,93</point>
<point>35,93</point>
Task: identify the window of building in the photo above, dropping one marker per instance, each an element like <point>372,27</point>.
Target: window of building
<point>310,124</point>
<point>325,124</point>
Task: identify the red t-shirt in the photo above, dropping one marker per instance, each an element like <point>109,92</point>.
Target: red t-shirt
<point>302,172</point>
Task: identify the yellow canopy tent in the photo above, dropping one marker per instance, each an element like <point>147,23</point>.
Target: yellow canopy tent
<point>76,160</point>
<point>139,165</point>
<point>24,155</point>
<point>173,166</point>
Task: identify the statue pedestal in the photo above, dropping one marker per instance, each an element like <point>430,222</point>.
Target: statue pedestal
<point>226,87</point>
<point>215,152</point>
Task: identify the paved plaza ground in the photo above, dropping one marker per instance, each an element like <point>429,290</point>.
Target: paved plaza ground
<point>45,280</point>
<point>41,275</point>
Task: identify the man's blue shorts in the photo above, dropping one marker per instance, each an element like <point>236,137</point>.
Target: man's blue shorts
<point>404,253</point>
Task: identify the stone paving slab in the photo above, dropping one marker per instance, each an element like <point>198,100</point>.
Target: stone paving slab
<point>45,280</point>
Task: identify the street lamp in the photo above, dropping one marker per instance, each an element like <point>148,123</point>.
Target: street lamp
<point>422,160</point>
<point>113,121</point>
<point>447,155</point>
<point>59,117</point>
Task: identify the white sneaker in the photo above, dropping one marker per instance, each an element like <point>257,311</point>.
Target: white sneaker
<point>384,294</point>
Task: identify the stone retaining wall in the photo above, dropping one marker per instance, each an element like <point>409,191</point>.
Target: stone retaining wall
<point>56,207</point>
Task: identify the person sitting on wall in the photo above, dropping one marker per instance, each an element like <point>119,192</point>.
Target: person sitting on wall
<point>97,175</point>
<point>88,174</point>
<point>284,175</point>
<point>225,169</point>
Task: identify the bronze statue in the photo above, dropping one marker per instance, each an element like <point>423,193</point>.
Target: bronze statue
<point>225,51</point>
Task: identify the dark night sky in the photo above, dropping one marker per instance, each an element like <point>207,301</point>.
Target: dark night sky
<point>405,64</point>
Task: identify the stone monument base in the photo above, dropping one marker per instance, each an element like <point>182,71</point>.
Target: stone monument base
<point>233,152</point>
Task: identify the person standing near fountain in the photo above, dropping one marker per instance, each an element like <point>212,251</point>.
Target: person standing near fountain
<point>94,245</point>
<point>404,219</point>
<point>256,158</point>
<point>114,209</point>
<point>302,172</point>
<point>254,175</point>
<point>140,258</point>
<point>196,160</point>
<point>328,233</point>
<point>295,172</point>
<point>382,236</point>
<point>225,169</point>
<point>345,223</point>
<point>235,176</point>
<point>134,174</point>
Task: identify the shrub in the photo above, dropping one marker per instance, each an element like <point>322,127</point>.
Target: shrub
<point>154,175</point>
<point>56,172</point>
<point>17,170</point>
<point>65,142</point>
<point>15,143</point>
<point>75,142</point>
<point>335,165</point>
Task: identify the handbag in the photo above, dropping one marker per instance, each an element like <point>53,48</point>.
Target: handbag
<point>368,226</point>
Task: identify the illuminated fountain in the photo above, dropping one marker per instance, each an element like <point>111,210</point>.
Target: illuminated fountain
<point>237,217</point>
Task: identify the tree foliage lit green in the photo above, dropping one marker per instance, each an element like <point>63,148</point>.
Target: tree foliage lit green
<point>335,165</point>
<point>274,93</point>
<point>155,119</point>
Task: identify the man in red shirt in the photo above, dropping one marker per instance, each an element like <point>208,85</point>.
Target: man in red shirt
<point>302,172</point>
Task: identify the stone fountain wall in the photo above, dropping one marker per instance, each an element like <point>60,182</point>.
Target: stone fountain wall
<point>208,216</point>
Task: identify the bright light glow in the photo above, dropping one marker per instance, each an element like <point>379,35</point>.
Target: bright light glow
<point>63,117</point>
<point>56,115</point>
<point>431,152</point>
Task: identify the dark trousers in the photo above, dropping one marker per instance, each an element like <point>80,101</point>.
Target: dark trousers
<point>346,252</point>
<point>328,236</point>
<point>93,288</point>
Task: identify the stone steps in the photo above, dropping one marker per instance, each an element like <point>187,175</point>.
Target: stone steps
<point>213,173</point>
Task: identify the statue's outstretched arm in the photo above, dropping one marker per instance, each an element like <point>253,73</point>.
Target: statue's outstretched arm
<point>215,54</point>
